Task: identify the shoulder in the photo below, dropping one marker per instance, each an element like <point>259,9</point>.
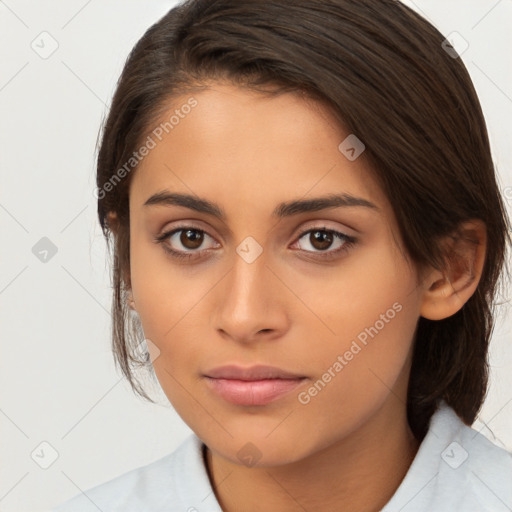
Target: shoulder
<point>177,481</point>
<point>456,468</point>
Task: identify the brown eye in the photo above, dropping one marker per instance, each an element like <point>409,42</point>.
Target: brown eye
<point>191,238</point>
<point>325,243</point>
<point>186,242</point>
<point>321,240</point>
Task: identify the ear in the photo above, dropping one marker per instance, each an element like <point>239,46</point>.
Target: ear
<point>112,222</point>
<point>447,290</point>
<point>130,301</point>
<point>113,225</point>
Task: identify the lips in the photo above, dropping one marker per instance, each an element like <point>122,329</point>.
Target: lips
<point>257,385</point>
<point>253,373</point>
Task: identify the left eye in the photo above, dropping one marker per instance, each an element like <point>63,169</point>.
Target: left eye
<point>320,240</point>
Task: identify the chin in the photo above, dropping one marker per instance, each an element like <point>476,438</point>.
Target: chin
<point>260,446</point>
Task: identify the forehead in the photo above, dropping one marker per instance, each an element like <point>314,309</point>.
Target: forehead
<point>244,149</point>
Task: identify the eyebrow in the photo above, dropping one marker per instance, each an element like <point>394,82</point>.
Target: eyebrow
<point>282,210</point>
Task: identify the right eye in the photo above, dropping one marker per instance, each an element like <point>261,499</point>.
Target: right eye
<point>188,237</point>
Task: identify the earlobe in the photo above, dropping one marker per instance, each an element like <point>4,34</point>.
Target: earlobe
<point>130,301</point>
<point>448,290</point>
<point>113,224</point>
<point>112,221</point>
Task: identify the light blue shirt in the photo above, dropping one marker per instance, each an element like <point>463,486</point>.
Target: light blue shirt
<point>456,469</point>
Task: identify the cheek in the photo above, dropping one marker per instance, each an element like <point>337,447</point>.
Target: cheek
<point>356,377</point>
<point>163,293</point>
<point>371,309</point>
<point>172,304</point>
<point>368,287</point>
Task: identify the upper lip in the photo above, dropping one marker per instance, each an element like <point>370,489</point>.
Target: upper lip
<point>259,372</point>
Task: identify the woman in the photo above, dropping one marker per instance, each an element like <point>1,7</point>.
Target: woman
<point>309,235</point>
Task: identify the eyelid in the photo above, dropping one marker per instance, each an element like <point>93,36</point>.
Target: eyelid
<point>302,230</point>
<point>195,224</point>
<point>320,225</point>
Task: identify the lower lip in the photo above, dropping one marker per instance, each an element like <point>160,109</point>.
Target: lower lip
<point>253,392</point>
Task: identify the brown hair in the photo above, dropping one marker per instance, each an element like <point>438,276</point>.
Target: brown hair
<point>384,73</point>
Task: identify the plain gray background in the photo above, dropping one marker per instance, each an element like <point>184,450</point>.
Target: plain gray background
<point>59,386</point>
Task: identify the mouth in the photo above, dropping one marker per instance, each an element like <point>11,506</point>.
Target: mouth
<point>257,385</point>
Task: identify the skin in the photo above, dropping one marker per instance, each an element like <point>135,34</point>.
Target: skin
<point>289,308</point>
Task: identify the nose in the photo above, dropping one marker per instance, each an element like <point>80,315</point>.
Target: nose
<point>250,306</point>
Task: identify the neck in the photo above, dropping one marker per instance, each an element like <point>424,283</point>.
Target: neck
<point>362,471</point>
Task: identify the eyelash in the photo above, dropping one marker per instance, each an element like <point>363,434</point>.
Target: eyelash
<point>349,241</point>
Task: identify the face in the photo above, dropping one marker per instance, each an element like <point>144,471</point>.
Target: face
<point>278,320</point>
